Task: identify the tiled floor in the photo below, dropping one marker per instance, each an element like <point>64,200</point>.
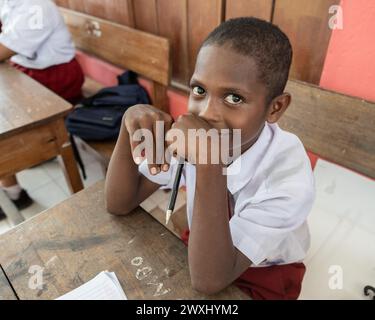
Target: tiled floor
<point>47,186</point>
<point>341,261</point>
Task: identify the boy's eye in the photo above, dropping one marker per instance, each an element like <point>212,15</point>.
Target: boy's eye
<point>198,91</point>
<point>233,99</point>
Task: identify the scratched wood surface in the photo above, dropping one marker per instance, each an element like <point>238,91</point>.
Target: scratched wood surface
<point>6,292</point>
<point>24,103</point>
<point>74,241</point>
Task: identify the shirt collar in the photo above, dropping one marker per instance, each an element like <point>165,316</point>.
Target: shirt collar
<point>242,170</point>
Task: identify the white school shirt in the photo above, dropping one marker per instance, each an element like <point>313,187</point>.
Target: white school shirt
<point>273,192</point>
<point>36,31</point>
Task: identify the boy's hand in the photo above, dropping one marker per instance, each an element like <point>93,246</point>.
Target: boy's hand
<point>189,147</point>
<point>150,121</point>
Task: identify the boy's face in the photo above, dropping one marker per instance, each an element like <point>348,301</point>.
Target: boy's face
<point>226,93</point>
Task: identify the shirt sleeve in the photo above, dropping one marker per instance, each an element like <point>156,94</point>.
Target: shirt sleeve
<point>28,28</point>
<point>165,179</point>
<point>262,224</point>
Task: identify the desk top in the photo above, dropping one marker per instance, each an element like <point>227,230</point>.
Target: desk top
<point>25,103</point>
<point>74,241</point>
<point>6,292</point>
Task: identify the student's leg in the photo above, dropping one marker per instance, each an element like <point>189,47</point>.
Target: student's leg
<point>15,193</point>
<point>8,181</point>
<point>66,80</point>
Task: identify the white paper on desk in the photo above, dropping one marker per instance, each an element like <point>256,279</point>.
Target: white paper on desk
<point>105,286</point>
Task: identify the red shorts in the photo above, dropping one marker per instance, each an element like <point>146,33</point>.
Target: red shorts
<point>65,79</point>
<point>279,282</point>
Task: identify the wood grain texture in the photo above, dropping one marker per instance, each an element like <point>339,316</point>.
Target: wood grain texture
<point>306,24</point>
<point>144,53</point>
<point>25,103</point>
<point>77,239</point>
<point>337,127</point>
<point>261,9</point>
<point>6,292</point>
<point>172,22</point>
<point>28,148</point>
<point>119,11</point>
<point>200,24</point>
<point>145,16</point>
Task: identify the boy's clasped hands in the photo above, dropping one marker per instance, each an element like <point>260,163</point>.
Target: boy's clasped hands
<point>153,135</point>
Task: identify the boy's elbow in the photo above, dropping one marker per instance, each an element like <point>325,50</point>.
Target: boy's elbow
<point>207,287</point>
<point>116,209</point>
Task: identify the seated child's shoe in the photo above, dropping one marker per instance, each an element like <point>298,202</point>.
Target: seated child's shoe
<point>2,214</point>
<point>23,200</point>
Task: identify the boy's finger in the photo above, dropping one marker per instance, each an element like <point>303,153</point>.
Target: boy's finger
<point>167,155</point>
<point>134,143</point>
<point>154,165</point>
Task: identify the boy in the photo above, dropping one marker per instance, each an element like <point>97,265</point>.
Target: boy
<point>249,227</point>
<point>35,38</point>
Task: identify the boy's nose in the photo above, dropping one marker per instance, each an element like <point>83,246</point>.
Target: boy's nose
<point>210,111</point>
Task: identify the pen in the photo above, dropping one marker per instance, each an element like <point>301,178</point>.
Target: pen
<point>172,199</point>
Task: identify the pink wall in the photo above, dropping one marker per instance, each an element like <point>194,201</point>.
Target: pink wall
<point>350,62</point>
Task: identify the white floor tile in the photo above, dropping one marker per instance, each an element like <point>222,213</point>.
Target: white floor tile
<point>343,192</point>
<point>63,185</point>
<point>322,224</point>
<point>33,210</point>
<point>33,178</point>
<point>94,172</point>
<point>342,226</point>
<point>4,226</point>
<point>53,169</point>
<point>47,196</point>
<point>352,250</point>
<point>87,157</point>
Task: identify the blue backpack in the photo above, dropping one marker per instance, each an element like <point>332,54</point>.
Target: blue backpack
<point>98,118</point>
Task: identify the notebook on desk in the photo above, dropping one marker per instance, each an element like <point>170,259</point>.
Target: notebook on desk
<point>105,286</point>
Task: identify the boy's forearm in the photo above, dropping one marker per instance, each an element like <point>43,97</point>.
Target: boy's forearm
<point>5,53</point>
<point>212,255</point>
<point>122,179</point>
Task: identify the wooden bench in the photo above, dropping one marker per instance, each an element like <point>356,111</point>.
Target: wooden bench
<point>336,127</point>
<point>77,239</point>
<point>146,54</point>
<point>32,130</point>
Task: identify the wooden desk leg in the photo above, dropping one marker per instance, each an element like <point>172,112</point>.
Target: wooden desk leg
<point>10,209</point>
<point>69,164</point>
<point>70,169</point>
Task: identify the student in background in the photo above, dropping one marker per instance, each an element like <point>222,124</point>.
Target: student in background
<point>36,40</point>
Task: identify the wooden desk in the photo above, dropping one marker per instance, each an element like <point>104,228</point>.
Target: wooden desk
<point>77,239</point>
<point>6,292</point>
<point>32,126</point>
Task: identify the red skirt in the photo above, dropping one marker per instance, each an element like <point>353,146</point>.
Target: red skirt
<point>65,79</point>
<point>279,282</point>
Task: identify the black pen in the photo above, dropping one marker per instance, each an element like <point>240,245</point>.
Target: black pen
<point>176,184</point>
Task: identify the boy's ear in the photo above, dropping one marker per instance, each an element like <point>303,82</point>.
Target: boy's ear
<point>277,107</point>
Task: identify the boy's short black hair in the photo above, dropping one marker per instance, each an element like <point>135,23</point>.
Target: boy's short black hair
<point>262,41</point>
